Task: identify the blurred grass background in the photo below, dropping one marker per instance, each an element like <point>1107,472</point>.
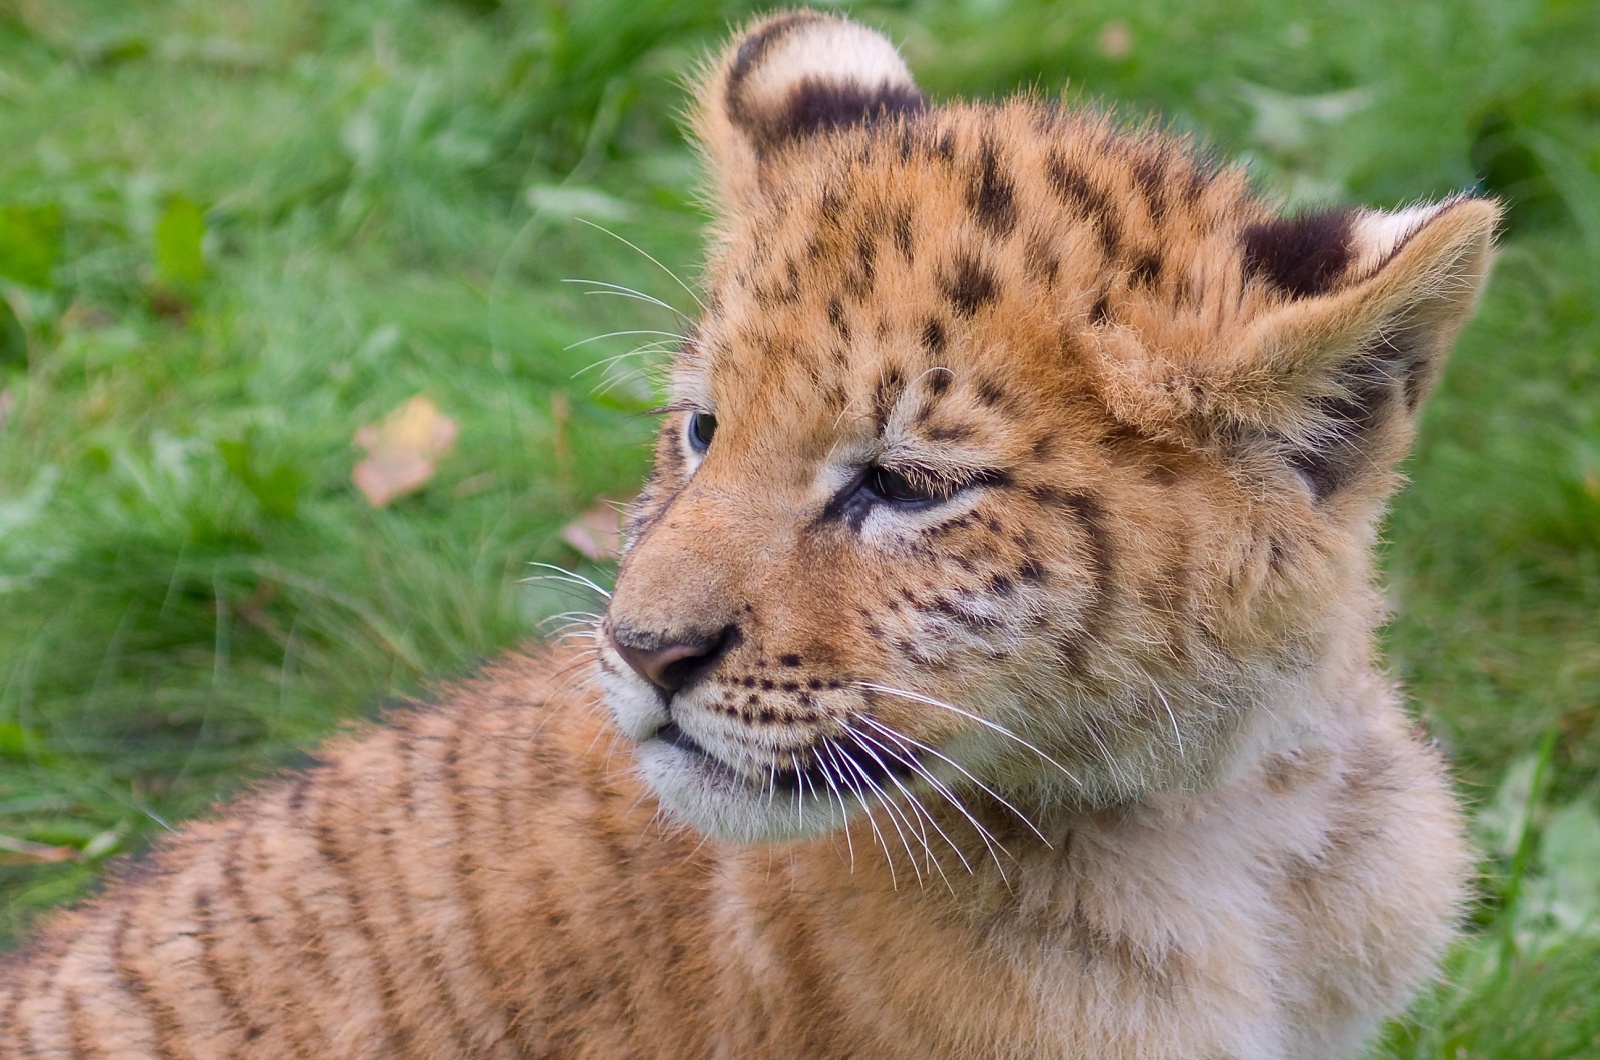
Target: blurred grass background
<point>233,232</point>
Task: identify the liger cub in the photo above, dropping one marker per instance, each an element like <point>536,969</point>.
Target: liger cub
<point>992,652</point>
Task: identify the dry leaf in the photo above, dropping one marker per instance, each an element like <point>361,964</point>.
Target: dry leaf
<point>597,533</point>
<point>26,850</point>
<point>402,450</point>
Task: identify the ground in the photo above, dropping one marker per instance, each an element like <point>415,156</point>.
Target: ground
<point>232,234</point>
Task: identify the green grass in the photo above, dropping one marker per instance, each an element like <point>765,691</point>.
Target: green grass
<point>384,195</point>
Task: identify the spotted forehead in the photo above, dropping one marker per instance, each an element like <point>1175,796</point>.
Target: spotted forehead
<point>984,242</point>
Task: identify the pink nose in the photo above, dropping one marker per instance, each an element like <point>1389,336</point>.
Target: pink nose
<point>669,664</point>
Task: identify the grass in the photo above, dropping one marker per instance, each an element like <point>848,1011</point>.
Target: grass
<point>232,233</point>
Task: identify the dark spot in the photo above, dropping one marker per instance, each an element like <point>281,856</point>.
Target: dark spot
<point>790,660</point>
<point>989,194</point>
<point>1072,187</point>
<point>1001,585</point>
<point>836,318</point>
<point>991,393</point>
<point>1301,256</point>
<point>938,382</point>
<point>1041,261</point>
<point>885,394</point>
<point>767,684</point>
<point>933,336</point>
<point>904,234</point>
<point>1149,174</point>
<point>1146,271</point>
<point>866,265</point>
<point>1031,571</point>
<point>1100,312</point>
<point>970,287</point>
<point>830,205</point>
<point>790,686</point>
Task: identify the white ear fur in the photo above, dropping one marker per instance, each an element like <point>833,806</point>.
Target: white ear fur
<point>827,50</point>
<point>786,81</point>
<point>1377,234</point>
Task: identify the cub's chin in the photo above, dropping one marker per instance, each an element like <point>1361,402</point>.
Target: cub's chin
<point>698,790</point>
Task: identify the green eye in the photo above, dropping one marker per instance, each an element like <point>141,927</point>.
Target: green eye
<point>702,427</point>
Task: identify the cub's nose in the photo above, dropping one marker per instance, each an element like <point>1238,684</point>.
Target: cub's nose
<point>672,661</point>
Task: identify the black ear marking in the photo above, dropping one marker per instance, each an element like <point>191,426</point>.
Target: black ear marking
<point>811,104</point>
<point>815,107</point>
<point>1303,255</point>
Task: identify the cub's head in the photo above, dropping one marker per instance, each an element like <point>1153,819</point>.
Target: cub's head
<point>1014,455</point>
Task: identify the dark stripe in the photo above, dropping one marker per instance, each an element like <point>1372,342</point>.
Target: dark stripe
<point>815,107</point>
<point>13,1020</point>
<point>238,1016</point>
<point>429,959</point>
<point>1072,187</point>
<point>1090,515</point>
<point>752,50</point>
<point>304,929</point>
<point>164,1021</point>
<point>233,888</point>
<point>335,782</point>
<point>472,898</point>
<point>1149,174</point>
<point>77,1029</point>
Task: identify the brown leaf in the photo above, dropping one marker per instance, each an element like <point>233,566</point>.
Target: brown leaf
<point>402,450</point>
<point>24,851</point>
<point>597,533</point>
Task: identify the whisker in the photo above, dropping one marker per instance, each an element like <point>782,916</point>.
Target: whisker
<point>649,347</point>
<point>847,776</point>
<point>569,576</point>
<point>863,740</point>
<point>994,847</point>
<point>844,811</point>
<point>916,805</point>
<point>620,291</point>
<point>985,722</point>
<point>649,258</point>
<point>889,810</point>
<point>986,789</point>
<point>1173,717</point>
<point>617,334</point>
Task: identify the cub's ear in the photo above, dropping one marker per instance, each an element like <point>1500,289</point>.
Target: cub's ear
<point>1354,313</point>
<point>786,80</point>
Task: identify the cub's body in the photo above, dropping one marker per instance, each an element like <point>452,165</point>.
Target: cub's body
<point>989,673</point>
<point>487,879</point>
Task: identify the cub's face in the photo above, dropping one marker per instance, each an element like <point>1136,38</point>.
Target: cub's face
<point>1012,457</point>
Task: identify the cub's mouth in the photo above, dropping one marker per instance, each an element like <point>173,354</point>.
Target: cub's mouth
<point>830,766</point>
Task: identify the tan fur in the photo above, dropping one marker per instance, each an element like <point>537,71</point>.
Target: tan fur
<point>1081,752</point>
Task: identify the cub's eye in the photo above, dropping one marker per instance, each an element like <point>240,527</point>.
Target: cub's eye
<point>896,488</point>
<point>702,426</point>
